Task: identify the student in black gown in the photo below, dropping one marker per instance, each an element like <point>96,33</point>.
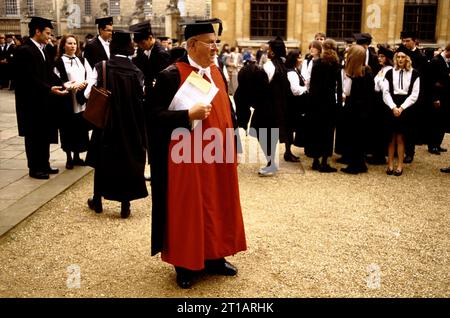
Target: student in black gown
<point>118,151</point>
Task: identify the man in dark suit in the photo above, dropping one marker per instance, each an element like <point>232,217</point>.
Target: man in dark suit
<point>151,57</point>
<point>33,89</point>
<point>3,62</point>
<point>97,49</point>
<point>419,63</point>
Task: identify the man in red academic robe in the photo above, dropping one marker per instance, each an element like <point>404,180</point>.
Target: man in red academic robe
<point>196,212</point>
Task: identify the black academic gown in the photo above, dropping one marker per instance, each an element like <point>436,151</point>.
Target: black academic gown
<point>118,151</point>
<point>94,52</point>
<point>325,86</point>
<point>163,122</point>
<point>35,120</point>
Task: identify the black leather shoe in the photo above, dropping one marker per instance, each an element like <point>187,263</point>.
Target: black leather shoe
<point>445,170</point>
<point>389,171</point>
<point>289,157</point>
<point>442,149</point>
<point>78,162</point>
<point>52,170</point>
<point>39,175</point>
<point>95,205</point>
<point>125,210</point>
<point>184,277</point>
<point>220,267</point>
<point>434,151</point>
<point>408,159</point>
<point>327,169</point>
<point>316,165</point>
<point>398,172</point>
<point>350,170</point>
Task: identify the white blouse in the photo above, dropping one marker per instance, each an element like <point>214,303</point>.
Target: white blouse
<point>76,72</point>
<point>379,79</point>
<point>294,81</point>
<point>401,81</point>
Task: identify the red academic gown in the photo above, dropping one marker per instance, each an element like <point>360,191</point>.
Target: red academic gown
<point>204,217</point>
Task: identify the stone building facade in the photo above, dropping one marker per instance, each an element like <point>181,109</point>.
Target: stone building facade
<point>384,19</point>
<point>78,16</point>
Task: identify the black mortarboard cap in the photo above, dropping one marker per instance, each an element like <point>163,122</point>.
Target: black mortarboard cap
<point>349,40</point>
<point>386,52</point>
<point>202,27</point>
<point>278,47</point>
<point>102,22</point>
<point>407,34</point>
<point>362,38</point>
<point>38,22</point>
<point>403,49</point>
<point>120,42</point>
<point>163,38</point>
<point>174,41</point>
<point>142,30</point>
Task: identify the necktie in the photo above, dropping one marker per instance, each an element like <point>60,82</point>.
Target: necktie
<point>400,80</point>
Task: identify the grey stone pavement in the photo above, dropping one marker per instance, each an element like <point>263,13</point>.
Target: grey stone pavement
<point>21,195</point>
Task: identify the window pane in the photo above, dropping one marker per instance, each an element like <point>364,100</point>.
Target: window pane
<point>268,18</point>
<point>420,17</point>
<point>343,18</point>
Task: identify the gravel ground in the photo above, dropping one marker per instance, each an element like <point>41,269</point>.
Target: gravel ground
<point>308,235</point>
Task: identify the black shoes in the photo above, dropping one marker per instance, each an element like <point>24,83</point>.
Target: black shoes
<point>95,205</point>
<point>354,169</point>
<point>441,149</point>
<point>78,162</point>
<point>389,171</point>
<point>445,170</point>
<point>125,210</point>
<point>184,277</point>
<point>52,170</point>
<point>398,172</point>
<point>289,157</point>
<point>327,169</point>
<point>434,151</point>
<point>39,175</point>
<point>408,159</point>
<point>220,267</point>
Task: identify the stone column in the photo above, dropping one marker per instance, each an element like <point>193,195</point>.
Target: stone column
<point>172,16</point>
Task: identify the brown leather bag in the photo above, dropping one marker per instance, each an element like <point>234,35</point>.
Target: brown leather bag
<point>97,107</point>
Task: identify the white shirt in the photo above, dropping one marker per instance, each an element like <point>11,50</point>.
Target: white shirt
<point>306,71</point>
<point>379,79</point>
<point>401,83</point>
<point>75,72</point>
<point>105,45</point>
<point>294,80</point>
<point>201,71</point>
<point>269,68</point>
<point>39,46</point>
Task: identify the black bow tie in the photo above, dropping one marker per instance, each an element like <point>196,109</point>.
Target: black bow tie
<point>71,58</point>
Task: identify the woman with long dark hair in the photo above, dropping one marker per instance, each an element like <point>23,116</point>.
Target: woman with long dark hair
<point>73,72</point>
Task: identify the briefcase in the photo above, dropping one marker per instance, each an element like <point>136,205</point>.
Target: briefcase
<point>97,107</point>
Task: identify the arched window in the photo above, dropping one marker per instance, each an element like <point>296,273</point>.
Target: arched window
<point>268,19</point>
<point>343,18</point>
<point>420,17</point>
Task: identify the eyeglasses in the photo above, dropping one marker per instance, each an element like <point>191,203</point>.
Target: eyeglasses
<point>211,45</point>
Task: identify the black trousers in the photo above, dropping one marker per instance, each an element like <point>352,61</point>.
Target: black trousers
<point>37,149</point>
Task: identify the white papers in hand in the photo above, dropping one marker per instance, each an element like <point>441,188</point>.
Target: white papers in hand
<point>194,90</point>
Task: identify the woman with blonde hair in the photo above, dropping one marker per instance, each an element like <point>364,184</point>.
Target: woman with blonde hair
<point>358,93</point>
<point>400,91</point>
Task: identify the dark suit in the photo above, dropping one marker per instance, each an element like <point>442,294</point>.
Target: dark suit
<point>152,65</point>
<point>34,116</point>
<point>440,88</point>
<point>94,52</point>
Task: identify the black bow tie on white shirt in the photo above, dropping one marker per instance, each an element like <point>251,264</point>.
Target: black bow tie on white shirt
<point>71,58</point>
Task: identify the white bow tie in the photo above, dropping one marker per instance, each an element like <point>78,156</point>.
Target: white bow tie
<point>203,71</point>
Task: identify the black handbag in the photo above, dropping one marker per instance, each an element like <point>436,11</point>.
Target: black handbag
<point>97,107</point>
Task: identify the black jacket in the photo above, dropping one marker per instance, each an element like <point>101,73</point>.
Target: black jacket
<point>94,52</point>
